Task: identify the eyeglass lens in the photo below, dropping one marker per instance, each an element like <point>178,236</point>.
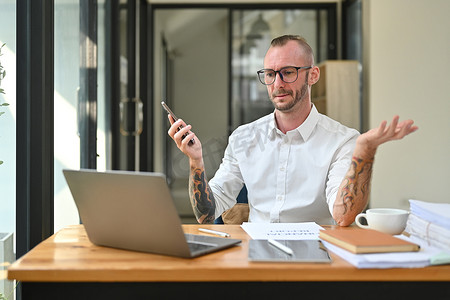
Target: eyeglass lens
<point>287,74</point>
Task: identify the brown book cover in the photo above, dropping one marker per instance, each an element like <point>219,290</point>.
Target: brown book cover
<point>360,240</point>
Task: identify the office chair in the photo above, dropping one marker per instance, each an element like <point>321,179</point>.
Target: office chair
<point>238,213</point>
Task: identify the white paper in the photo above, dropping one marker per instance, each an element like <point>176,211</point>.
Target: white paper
<point>282,231</point>
<point>434,234</point>
<point>418,259</point>
<point>438,213</point>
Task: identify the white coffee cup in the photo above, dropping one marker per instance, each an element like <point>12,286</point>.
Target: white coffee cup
<point>387,220</point>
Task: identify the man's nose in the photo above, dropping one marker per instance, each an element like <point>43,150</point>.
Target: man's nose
<point>278,80</point>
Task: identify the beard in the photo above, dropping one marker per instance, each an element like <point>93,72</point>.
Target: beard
<point>299,96</point>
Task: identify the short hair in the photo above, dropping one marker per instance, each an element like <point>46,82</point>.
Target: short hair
<point>284,39</point>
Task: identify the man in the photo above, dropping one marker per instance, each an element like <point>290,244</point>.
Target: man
<point>296,164</point>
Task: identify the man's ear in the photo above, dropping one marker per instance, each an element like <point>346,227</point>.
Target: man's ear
<point>314,75</point>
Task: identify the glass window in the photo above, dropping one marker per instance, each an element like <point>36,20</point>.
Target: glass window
<point>66,97</point>
<point>252,32</point>
<point>67,78</point>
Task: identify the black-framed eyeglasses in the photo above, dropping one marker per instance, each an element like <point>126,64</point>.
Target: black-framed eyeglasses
<point>287,74</point>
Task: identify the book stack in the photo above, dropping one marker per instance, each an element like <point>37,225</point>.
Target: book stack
<point>430,222</point>
<point>367,248</point>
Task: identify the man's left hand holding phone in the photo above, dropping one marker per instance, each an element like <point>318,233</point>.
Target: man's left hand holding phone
<point>185,139</point>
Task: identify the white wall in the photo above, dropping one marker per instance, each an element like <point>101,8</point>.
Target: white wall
<point>407,72</point>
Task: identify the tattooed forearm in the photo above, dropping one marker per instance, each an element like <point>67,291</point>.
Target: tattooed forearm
<point>354,190</point>
<point>201,196</point>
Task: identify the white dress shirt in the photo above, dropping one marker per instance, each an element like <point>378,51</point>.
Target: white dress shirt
<point>292,177</point>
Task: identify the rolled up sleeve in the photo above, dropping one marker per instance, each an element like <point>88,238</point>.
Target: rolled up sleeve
<point>227,182</point>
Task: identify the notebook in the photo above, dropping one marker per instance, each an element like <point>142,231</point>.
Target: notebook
<point>359,240</point>
<point>135,211</point>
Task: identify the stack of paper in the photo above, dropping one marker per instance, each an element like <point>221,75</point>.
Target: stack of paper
<point>430,222</point>
<point>386,260</point>
<point>428,225</point>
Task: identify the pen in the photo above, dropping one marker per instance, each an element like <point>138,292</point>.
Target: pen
<point>220,233</point>
<point>281,247</point>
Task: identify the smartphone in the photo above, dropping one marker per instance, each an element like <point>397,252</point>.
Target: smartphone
<point>169,111</point>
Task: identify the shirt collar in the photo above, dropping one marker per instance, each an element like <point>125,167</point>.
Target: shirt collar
<point>310,123</point>
<point>272,128</point>
<point>305,129</point>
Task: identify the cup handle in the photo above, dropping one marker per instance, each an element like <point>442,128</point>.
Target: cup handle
<point>358,217</point>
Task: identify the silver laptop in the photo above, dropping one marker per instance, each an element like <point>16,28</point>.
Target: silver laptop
<point>135,211</point>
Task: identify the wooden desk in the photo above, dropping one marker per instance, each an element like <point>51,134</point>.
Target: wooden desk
<point>69,264</point>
